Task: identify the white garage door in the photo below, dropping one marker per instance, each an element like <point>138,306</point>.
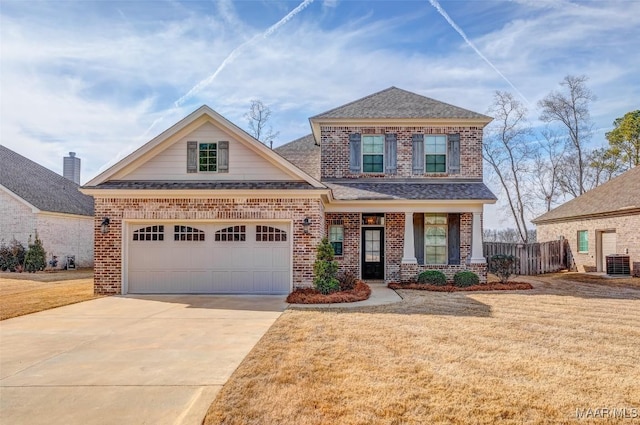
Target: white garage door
<point>209,258</point>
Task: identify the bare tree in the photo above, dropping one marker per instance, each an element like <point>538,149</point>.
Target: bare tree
<point>506,150</point>
<point>570,109</point>
<point>548,161</point>
<point>257,119</point>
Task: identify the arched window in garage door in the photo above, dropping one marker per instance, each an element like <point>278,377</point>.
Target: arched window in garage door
<point>232,234</point>
<point>187,233</point>
<point>149,233</point>
<point>270,234</point>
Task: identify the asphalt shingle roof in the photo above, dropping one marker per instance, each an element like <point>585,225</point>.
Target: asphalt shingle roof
<point>397,103</point>
<point>202,185</point>
<point>304,154</point>
<point>41,187</point>
<point>398,190</point>
<point>618,195</point>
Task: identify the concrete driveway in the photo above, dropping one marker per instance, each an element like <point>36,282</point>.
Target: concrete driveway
<point>127,360</point>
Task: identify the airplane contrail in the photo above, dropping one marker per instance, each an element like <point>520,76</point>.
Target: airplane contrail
<point>446,16</point>
<point>230,58</point>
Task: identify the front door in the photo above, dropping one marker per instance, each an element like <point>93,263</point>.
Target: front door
<point>373,253</point>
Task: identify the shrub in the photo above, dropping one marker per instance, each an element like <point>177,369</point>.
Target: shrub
<point>502,266</point>
<point>12,256</point>
<point>36,258</point>
<point>347,280</point>
<point>465,279</point>
<point>325,269</point>
<point>432,277</point>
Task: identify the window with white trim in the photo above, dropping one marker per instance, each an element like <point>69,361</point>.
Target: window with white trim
<point>583,241</point>
<point>435,239</point>
<point>208,157</point>
<point>435,148</point>
<point>187,233</point>
<point>336,238</point>
<point>373,153</point>
<point>149,233</point>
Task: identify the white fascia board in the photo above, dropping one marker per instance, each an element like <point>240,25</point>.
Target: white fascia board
<point>66,215</point>
<point>34,209</point>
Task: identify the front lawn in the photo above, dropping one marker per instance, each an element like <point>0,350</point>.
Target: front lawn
<point>25,293</point>
<point>533,356</point>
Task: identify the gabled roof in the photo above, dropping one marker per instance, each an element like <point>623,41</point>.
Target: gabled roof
<point>199,116</point>
<point>397,103</point>
<point>620,195</point>
<point>40,187</point>
<point>304,153</point>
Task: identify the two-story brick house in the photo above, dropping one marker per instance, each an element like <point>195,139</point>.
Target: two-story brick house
<point>394,180</point>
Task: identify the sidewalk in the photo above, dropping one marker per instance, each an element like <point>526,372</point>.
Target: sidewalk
<point>380,295</point>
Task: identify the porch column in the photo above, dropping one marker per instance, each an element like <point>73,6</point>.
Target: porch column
<point>409,254</point>
<point>476,240</point>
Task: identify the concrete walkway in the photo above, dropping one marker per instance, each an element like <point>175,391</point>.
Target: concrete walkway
<point>380,295</point>
<point>127,360</point>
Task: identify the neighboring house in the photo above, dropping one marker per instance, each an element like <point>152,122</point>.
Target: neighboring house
<point>35,199</point>
<point>602,221</point>
<point>394,180</point>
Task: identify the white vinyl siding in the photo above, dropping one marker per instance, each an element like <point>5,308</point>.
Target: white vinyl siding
<point>244,163</point>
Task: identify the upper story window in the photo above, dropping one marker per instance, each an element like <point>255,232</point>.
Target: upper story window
<point>373,153</point>
<point>208,157</point>
<point>435,148</point>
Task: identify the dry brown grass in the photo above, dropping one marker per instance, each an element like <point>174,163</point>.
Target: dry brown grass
<point>521,357</point>
<point>20,295</point>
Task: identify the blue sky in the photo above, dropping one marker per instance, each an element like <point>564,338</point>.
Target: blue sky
<point>103,77</point>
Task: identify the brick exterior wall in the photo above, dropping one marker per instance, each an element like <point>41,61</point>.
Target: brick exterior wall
<point>61,234</point>
<point>627,237</point>
<point>108,247</point>
<point>394,248</point>
<point>335,150</point>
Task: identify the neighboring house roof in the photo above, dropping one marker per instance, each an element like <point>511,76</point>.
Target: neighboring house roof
<point>411,190</point>
<point>620,195</point>
<point>202,185</point>
<point>304,153</point>
<point>41,187</point>
<point>397,103</point>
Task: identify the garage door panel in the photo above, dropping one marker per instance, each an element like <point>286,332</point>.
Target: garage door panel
<point>210,266</point>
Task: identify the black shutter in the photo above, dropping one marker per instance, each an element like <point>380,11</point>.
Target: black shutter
<point>391,153</point>
<point>454,238</point>
<point>418,153</point>
<point>223,157</point>
<point>418,236</point>
<point>355,154</point>
<point>454,153</point>
<point>192,157</point>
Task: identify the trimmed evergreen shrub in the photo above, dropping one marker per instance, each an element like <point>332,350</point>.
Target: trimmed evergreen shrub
<point>347,280</point>
<point>502,266</point>
<point>36,258</point>
<point>465,279</point>
<point>432,277</point>
<point>325,269</point>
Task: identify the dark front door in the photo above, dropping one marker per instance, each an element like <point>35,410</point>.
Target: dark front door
<point>373,253</point>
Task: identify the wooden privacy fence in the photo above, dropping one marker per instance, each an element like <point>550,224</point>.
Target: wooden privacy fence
<point>534,258</point>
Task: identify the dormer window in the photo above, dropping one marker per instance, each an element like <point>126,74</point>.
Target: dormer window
<point>208,157</point>
<point>372,153</point>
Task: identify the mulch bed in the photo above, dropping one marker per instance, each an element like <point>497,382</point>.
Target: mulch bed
<point>313,296</point>
<point>509,286</point>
